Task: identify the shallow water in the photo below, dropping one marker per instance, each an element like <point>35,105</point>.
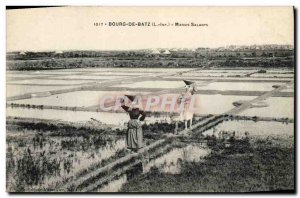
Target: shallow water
<point>154,84</point>
<point>171,161</point>
<point>234,70</point>
<point>289,88</point>
<point>205,104</point>
<point>278,107</point>
<point>50,82</point>
<point>70,116</point>
<point>116,119</point>
<point>273,75</point>
<point>227,78</point>
<point>161,84</point>
<point>240,86</point>
<point>119,73</point>
<point>226,71</point>
<point>15,90</point>
<point>40,73</point>
<point>77,98</point>
<point>121,70</point>
<point>87,77</point>
<point>255,129</point>
<point>214,74</point>
<point>217,104</point>
<point>27,76</point>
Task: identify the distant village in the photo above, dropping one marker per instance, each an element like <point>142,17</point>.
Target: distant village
<point>229,56</point>
<point>169,51</point>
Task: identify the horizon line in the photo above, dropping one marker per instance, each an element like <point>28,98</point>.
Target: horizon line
<point>137,49</point>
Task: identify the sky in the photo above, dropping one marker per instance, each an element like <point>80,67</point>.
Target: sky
<point>72,28</point>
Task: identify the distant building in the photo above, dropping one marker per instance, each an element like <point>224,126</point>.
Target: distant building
<point>155,51</point>
<point>167,52</point>
<point>59,52</point>
<point>22,53</point>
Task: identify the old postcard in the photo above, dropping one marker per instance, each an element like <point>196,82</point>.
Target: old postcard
<point>150,99</point>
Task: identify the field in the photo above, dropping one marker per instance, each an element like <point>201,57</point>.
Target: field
<point>58,139</point>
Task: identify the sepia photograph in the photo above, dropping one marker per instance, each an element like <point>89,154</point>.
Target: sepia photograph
<point>150,99</point>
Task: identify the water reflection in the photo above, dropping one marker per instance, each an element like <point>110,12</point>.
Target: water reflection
<point>254,129</point>
<point>240,86</point>
<point>69,116</point>
<point>15,90</point>
<point>171,161</point>
<point>50,82</point>
<point>278,107</point>
<point>154,84</point>
<point>116,119</point>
